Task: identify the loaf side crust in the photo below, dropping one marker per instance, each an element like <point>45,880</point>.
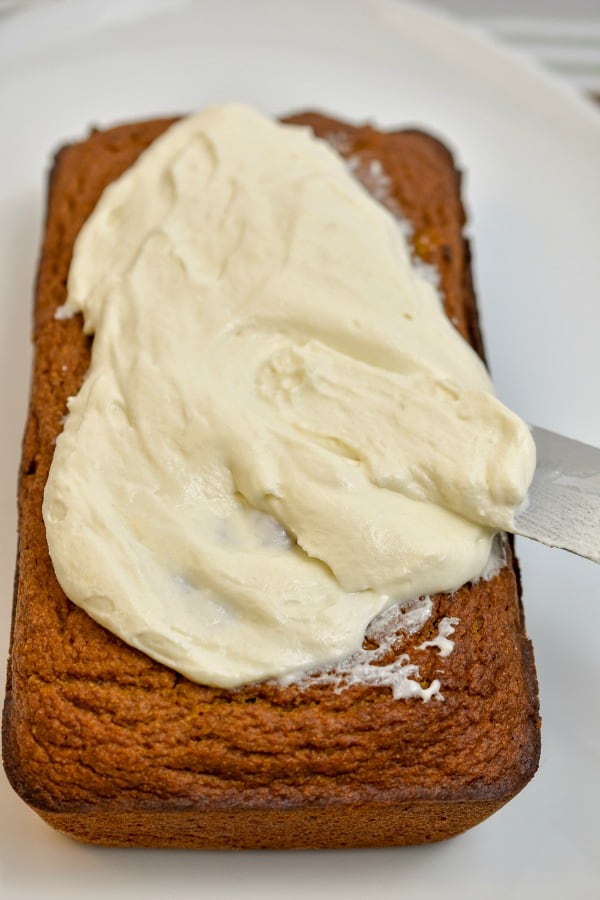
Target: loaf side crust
<point>114,748</point>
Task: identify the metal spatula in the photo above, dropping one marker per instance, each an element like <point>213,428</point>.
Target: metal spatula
<point>563,508</point>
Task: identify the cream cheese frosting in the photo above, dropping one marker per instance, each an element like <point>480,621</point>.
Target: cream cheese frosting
<point>280,434</point>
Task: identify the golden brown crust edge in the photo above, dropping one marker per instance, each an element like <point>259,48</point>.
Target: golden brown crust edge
<point>114,748</point>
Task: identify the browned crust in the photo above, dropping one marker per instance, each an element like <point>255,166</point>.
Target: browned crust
<point>112,747</point>
<point>321,828</point>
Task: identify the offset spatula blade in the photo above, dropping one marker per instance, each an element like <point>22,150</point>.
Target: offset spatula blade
<point>563,508</point>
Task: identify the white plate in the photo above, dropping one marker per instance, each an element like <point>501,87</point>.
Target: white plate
<point>531,151</point>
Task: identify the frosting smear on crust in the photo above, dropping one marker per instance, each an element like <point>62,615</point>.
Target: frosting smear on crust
<point>280,434</point>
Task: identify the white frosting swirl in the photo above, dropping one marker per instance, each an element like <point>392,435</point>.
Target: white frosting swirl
<point>280,433</point>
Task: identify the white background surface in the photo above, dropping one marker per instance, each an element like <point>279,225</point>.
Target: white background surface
<point>531,151</point>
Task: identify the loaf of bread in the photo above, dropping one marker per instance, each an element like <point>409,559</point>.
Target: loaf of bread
<point>114,748</point>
